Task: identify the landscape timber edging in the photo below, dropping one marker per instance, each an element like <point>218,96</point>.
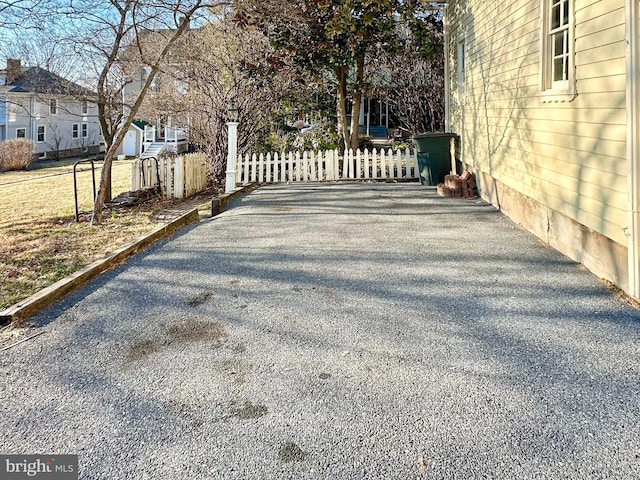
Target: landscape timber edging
<point>47,296</point>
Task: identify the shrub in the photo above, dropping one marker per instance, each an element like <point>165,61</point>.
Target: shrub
<point>16,154</point>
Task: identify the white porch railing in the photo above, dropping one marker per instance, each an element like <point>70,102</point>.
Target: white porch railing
<point>174,135</point>
<point>178,177</point>
<point>327,165</point>
<point>149,134</point>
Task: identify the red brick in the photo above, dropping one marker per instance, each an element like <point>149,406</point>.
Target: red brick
<point>454,182</point>
<point>443,191</point>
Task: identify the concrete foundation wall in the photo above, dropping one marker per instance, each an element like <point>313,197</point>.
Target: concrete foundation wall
<point>602,256</point>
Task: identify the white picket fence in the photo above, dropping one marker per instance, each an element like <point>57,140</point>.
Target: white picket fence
<point>179,177</point>
<point>327,165</point>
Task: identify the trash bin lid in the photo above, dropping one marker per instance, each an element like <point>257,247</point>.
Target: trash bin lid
<point>434,135</point>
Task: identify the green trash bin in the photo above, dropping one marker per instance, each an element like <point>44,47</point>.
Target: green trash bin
<point>434,156</point>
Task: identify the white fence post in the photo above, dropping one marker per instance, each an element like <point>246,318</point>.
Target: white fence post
<point>374,163</point>
<point>298,166</point>
<point>289,166</point>
<point>305,167</point>
<point>245,169</point>
<point>412,163</point>
<point>254,164</point>
<point>319,161</point>
<point>268,168</point>
<point>313,167</point>
<point>261,168</point>
<point>390,161</point>
<point>276,164</point>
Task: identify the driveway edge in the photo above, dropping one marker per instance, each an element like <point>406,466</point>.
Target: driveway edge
<point>45,297</point>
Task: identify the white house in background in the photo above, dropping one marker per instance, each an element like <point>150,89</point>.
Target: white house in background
<point>56,114</point>
<point>156,130</point>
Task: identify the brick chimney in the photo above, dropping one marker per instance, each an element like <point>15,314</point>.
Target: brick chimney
<point>14,69</point>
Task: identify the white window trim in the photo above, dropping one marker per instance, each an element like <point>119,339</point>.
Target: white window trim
<point>84,130</point>
<point>75,130</point>
<point>24,130</point>
<point>53,106</point>
<point>84,107</point>
<point>44,134</point>
<point>550,91</point>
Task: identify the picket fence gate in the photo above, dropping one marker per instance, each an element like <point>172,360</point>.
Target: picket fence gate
<point>327,165</point>
<point>177,176</point>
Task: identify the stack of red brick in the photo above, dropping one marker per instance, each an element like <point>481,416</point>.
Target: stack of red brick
<point>458,186</point>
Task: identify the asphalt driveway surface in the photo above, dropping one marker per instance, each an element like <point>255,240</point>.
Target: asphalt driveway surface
<point>347,331</point>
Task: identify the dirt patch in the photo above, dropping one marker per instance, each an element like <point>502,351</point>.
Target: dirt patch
<point>187,331</point>
<point>332,295</point>
<point>140,350</point>
<point>249,411</point>
<point>197,331</point>
<point>199,299</point>
<point>324,376</point>
<point>290,452</point>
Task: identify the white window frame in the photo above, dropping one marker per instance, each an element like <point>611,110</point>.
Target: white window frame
<point>24,132</point>
<point>53,106</point>
<point>75,130</point>
<point>85,130</point>
<point>84,108</point>
<point>44,133</point>
<point>553,35</point>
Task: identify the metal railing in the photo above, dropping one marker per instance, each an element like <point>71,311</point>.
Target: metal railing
<point>75,184</point>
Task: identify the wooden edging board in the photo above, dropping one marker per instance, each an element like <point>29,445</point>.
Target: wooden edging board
<point>45,297</point>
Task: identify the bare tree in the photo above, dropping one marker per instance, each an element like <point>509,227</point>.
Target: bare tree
<point>218,65</point>
<point>25,14</point>
<point>411,79</point>
<point>56,140</point>
<point>43,48</point>
<point>109,37</point>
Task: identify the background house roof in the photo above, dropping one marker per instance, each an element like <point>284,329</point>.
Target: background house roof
<point>39,80</point>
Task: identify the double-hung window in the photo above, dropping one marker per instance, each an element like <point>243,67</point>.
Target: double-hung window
<point>85,130</point>
<point>21,133</point>
<point>558,50</point>
<point>53,106</point>
<point>40,134</point>
<point>74,130</point>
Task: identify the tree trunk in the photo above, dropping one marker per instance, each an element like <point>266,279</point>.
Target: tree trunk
<point>104,190</point>
<point>119,129</point>
<point>354,141</point>
<point>341,73</point>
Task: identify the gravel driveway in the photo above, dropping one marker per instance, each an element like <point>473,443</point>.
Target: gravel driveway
<point>342,331</point>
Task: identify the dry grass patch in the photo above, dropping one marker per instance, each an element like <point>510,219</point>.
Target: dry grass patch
<point>40,243</point>
<point>37,254</point>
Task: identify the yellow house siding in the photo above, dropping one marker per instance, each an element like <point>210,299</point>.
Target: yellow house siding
<point>569,156</point>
